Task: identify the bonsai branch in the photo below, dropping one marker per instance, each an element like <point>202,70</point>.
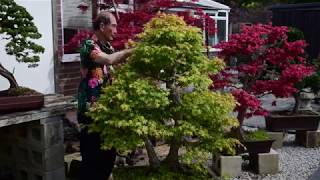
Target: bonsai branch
<point>297,103</point>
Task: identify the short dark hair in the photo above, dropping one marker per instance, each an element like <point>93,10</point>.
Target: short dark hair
<point>103,17</point>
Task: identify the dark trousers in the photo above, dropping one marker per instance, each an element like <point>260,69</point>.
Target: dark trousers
<point>96,164</point>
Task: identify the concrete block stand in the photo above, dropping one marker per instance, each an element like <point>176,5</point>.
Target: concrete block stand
<point>309,139</point>
<point>265,163</point>
<point>278,137</point>
<point>227,166</point>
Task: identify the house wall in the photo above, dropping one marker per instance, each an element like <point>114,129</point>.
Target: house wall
<point>40,78</point>
<point>67,74</point>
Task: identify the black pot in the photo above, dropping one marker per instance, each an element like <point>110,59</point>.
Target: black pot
<point>308,122</point>
<point>255,147</point>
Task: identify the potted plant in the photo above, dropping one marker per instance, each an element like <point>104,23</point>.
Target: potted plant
<point>162,93</point>
<point>17,27</point>
<point>266,63</point>
<point>301,117</point>
<point>258,136</point>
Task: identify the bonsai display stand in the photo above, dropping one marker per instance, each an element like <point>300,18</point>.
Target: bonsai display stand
<point>31,142</point>
<point>309,139</point>
<point>278,139</point>
<point>265,163</point>
<point>227,166</point>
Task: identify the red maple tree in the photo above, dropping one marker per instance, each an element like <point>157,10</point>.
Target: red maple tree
<point>267,63</point>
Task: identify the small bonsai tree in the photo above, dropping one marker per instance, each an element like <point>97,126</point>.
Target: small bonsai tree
<point>162,93</point>
<point>17,27</point>
<point>268,63</point>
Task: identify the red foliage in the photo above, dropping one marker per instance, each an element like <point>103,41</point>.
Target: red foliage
<point>249,103</point>
<point>75,41</point>
<point>131,22</point>
<point>268,63</point>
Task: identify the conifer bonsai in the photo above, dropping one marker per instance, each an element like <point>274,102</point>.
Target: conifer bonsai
<point>162,93</point>
<point>17,27</point>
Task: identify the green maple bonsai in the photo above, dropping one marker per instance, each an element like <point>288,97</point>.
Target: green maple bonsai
<point>17,27</point>
<point>162,93</point>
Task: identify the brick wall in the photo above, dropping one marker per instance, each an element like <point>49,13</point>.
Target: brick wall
<point>67,75</point>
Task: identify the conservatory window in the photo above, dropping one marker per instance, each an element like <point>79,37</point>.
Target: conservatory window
<point>76,16</point>
<point>220,35</point>
<point>221,25</point>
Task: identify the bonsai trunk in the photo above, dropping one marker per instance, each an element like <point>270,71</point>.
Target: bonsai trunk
<point>154,161</point>
<point>296,103</point>
<point>172,160</point>
<point>238,132</point>
<point>9,76</point>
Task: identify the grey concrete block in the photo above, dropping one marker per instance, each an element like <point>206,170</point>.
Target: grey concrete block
<point>22,155</point>
<point>309,139</point>
<point>268,163</point>
<point>7,134</point>
<point>41,135</point>
<point>43,160</point>
<point>7,169</point>
<point>53,157</point>
<point>27,173</point>
<point>6,152</point>
<point>278,137</point>
<point>57,174</point>
<point>227,166</point>
<point>53,133</point>
<point>49,159</point>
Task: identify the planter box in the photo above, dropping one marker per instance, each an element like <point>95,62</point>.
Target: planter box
<point>20,103</point>
<point>278,122</point>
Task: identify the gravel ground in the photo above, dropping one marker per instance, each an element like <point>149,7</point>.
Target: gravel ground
<point>296,163</point>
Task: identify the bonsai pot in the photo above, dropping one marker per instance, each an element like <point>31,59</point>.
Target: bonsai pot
<point>256,147</point>
<point>282,120</point>
<point>261,146</point>
<point>9,104</point>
